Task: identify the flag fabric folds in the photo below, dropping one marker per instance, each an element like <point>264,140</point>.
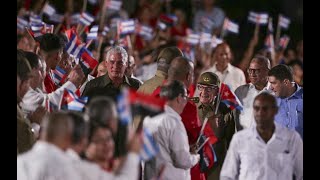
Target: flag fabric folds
<point>70,101</point>
<point>150,148</point>
<point>283,22</point>
<point>258,18</point>
<point>229,98</point>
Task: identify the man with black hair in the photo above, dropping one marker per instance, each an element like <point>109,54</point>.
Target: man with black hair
<point>264,151</point>
<point>289,98</point>
<point>51,50</point>
<point>171,136</point>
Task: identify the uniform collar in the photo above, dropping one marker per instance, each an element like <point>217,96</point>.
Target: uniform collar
<point>106,80</point>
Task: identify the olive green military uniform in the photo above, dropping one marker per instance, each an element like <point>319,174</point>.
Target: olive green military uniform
<point>226,128</point>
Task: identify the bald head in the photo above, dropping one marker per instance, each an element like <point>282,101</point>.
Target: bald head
<point>57,129</point>
<point>166,56</point>
<point>262,60</point>
<point>180,68</point>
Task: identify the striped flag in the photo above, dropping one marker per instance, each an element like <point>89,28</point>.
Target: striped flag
<point>123,107</point>
<point>258,18</point>
<point>48,9</point>
<point>59,75</point>
<point>150,147</point>
<point>283,42</point>
<point>35,19</point>
<point>87,62</point>
<point>192,38</point>
<point>86,19</point>
<point>229,98</point>
<point>230,26</point>
<point>144,31</point>
<point>126,27</point>
<point>283,22</point>
<point>93,34</point>
<point>113,5</point>
<point>70,101</point>
<point>21,23</point>
<point>74,45</point>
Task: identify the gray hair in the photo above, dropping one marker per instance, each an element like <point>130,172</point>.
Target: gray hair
<point>118,50</point>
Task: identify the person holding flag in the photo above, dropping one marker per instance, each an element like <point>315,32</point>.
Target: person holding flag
<point>218,115</point>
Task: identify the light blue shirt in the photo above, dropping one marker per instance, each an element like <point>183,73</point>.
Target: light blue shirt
<point>290,112</point>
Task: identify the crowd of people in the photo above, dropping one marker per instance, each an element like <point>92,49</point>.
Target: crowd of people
<point>217,119</point>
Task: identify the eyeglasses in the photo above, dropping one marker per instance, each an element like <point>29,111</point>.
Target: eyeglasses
<point>207,88</point>
<point>253,71</point>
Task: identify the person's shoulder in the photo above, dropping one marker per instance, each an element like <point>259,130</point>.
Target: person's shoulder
<point>242,89</point>
<point>135,83</point>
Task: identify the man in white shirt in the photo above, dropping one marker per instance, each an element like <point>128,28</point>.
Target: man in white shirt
<point>227,73</point>
<point>47,158</point>
<point>88,170</point>
<point>258,75</point>
<point>35,96</point>
<point>265,151</point>
<point>171,135</point>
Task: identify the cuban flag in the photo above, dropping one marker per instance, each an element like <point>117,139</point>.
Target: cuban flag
<point>192,38</point>
<point>56,18</point>
<point>113,5</point>
<point>87,62</point>
<point>70,101</point>
<point>283,22</point>
<point>59,75</point>
<point>86,19</point>
<point>205,38</point>
<point>258,18</point>
<point>50,106</point>
<point>126,27</point>
<point>74,45</point>
<point>35,19</point>
<point>124,108</point>
<point>283,42</point>
<point>124,41</point>
<point>21,23</point>
<point>144,31</point>
<point>229,98</point>
<point>269,42</point>
<point>150,148</point>
<point>93,33</point>
<point>48,9</point>
<point>37,29</point>
<point>165,21</point>
<point>105,30</point>
<point>230,26</point>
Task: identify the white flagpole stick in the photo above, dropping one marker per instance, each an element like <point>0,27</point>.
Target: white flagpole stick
<point>202,145</point>
<point>278,33</point>
<point>202,128</point>
<point>88,44</point>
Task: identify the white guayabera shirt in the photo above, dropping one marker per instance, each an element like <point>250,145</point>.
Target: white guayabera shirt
<point>250,158</point>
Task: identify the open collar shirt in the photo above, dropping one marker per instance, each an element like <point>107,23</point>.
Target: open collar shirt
<point>250,158</point>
